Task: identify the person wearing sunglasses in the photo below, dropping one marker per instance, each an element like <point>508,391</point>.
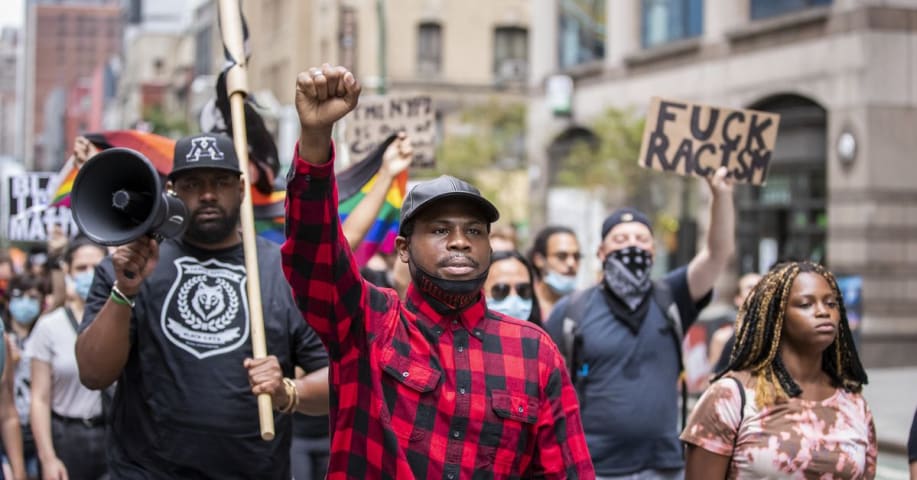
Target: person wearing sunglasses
<point>508,288</point>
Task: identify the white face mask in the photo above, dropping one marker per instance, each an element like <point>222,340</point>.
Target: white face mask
<point>560,284</point>
<point>513,305</point>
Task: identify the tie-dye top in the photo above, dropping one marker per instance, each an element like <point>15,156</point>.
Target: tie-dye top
<point>830,439</point>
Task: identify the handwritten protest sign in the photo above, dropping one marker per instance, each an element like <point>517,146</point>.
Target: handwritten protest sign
<point>376,117</point>
<point>30,219</point>
<point>693,139</point>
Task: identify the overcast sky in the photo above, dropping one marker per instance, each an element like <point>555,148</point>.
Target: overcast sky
<point>12,13</point>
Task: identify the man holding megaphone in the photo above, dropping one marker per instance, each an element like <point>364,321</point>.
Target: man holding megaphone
<point>169,322</point>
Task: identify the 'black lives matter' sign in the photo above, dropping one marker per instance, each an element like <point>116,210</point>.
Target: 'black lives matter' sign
<point>30,217</point>
<point>693,139</point>
<point>377,117</point>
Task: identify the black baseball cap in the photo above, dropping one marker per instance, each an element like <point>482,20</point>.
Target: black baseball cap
<point>445,187</point>
<point>624,215</point>
<point>204,150</point>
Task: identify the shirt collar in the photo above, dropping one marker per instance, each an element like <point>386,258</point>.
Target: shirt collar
<point>470,318</point>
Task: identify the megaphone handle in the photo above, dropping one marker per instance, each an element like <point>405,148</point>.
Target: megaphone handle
<point>155,236</point>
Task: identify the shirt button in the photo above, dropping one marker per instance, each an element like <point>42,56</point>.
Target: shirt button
<point>455,322</point>
<point>405,374</point>
<point>456,434</point>
<point>477,333</point>
<point>462,390</point>
<point>461,349</point>
<point>450,476</point>
<point>521,409</point>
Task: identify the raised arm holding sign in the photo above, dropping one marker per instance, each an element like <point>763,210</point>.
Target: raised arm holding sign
<point>379,116</point>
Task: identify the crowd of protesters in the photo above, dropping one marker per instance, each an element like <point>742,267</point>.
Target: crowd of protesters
<point>453,356</point>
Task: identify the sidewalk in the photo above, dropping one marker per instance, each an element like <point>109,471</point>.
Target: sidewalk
<point>892,397</point>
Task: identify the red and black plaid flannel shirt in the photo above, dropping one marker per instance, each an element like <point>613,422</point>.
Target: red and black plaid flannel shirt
<point>416,394</point>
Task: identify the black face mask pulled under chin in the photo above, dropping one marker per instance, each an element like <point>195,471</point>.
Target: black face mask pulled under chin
<point>627,275</point>
<point>449,295</point>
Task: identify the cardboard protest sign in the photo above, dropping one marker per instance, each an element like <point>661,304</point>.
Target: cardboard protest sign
<point>693,139</point>
<point>30,219</point>
<point>378,116</point>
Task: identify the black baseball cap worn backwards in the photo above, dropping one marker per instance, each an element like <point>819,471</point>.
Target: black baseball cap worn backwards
<point>624,215</point>
<point>205,150</point>
<point>425,194</point>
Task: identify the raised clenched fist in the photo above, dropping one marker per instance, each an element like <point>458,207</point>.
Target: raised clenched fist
<point>324,95</point>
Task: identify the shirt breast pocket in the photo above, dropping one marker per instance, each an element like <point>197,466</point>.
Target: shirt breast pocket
<point>408,387</point>
<point>509,429</point>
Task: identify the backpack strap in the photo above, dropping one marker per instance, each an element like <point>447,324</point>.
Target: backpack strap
<point>571,343</point>
<point>662,295</point>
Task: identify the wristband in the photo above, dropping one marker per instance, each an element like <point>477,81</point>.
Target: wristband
<point>120,298</point>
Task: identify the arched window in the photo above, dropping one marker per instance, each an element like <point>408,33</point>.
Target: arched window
<point>787,218</point>
<point>568,142</point>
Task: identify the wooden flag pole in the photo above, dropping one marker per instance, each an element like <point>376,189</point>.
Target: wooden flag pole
<point>237,88</point>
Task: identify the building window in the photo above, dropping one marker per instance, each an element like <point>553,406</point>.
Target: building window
<point>429,48</point>
<point>347,37</point>
<point>772,8</point>
<point>203,51</point>
<point>665,21</point>
<point>582,32</point>
<point>511,53</point>
<point>134,12</point>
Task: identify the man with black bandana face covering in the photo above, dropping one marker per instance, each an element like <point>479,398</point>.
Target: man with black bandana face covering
<point>435,385</point>
<point>626,349</point>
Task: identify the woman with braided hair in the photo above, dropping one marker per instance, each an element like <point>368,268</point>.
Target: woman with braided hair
<point>789,403</point>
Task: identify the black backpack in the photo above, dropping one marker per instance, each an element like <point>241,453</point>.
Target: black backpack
<point>572,341</point>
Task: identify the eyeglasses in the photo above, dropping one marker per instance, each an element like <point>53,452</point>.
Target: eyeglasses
<point>499,291</point>
<point>564,256</point>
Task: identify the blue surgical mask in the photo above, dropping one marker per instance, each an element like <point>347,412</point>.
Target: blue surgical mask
<point>560,284</point>
<point>512,305</point>
<point>24,310</point>
<point>82,282</point>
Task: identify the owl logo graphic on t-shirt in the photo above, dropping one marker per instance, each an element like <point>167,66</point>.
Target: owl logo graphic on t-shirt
<point>206,312</point>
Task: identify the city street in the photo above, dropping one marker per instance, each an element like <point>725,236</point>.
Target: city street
<point>892,396</point>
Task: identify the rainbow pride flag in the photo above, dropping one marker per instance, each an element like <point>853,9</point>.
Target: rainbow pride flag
<point>269,214</point>
<point>62,184</point>
<point>353,185</point>
<point>156,148</point>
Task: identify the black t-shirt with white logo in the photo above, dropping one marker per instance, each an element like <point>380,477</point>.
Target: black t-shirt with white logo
<point>183,407</point>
